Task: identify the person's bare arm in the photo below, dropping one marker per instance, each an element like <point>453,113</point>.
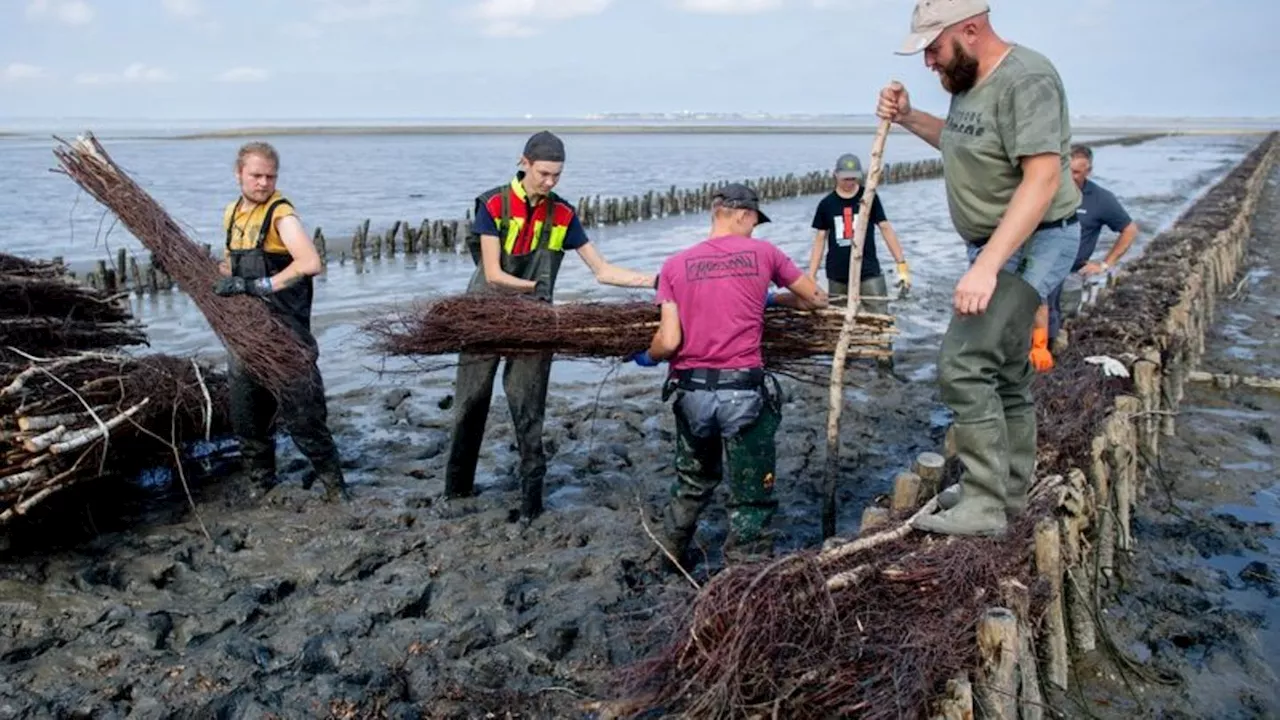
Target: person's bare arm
<point>490,259</point>
<point>1118,250</point>
<point>306,260</point>
<point>895,105</point>
<point>608,274</point>
<point>815,255</point>
<point>804,294</point>
<point>891,241</point>
<point>668,336</point>
<point>924,126</point>
<point>1041,176</point>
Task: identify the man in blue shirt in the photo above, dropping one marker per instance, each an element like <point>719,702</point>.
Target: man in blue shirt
<point>1098,208</point>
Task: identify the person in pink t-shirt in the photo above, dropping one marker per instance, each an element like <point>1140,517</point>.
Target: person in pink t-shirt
<point>713,298</point>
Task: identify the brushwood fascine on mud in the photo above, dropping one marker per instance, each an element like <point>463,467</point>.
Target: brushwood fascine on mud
<point>402,606</point>
<point>912,625</point>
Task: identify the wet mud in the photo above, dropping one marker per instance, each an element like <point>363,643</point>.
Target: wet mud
<point>1193,619</point>
<point>400,604</point>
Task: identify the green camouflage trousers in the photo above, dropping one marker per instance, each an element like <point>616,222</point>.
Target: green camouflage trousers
<point>750,457</point>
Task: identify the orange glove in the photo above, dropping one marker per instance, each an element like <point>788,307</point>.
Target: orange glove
<point>1041,358</point>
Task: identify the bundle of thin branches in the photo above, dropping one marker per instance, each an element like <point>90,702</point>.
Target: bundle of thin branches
<point>261,341</point>
<point>14,265</point>
<point>26,296</point>
<point>78,417</point>
<point>511,325</point>
<point>43,311</point>
<point>869,629</point>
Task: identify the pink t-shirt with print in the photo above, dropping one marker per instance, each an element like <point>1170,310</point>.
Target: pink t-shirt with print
<point>719,286</point>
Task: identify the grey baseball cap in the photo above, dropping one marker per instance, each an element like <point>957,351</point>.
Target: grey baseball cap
<point>544,146</point>
<point>931,17</point>
<point>849,166</point>
<point>737,195</point>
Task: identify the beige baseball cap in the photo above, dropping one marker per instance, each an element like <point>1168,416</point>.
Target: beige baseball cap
<point>931,17</point>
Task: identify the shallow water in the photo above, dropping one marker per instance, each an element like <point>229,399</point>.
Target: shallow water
<point>337,181</point>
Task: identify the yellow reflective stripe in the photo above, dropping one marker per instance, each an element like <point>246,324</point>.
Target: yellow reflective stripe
<point>513,232</point>
<point>558,232</point>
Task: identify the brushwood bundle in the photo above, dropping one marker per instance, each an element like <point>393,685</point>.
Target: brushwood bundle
<point>867,628</point>
<point>44,310</point>
<point>512,325</point>
<point>74,418</point>
<point>261,341</point>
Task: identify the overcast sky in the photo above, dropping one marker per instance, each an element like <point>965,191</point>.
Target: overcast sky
<point>317,59</point>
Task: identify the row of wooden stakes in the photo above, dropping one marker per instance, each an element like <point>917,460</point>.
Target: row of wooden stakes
<point>448,236</point>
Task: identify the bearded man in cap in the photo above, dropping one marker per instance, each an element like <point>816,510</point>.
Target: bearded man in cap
<point>1005,145</point>
<point>519,235</point>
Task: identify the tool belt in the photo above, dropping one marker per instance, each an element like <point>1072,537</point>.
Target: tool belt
<point>713,379</point>
<point>1067,221</point>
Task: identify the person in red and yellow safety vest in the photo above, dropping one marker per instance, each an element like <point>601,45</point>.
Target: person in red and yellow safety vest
<point>520,233</point>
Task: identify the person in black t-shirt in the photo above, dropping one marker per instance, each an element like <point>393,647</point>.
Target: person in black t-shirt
<point>834,220</point>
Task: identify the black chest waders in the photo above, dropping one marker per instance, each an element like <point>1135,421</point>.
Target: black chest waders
<point>302,410</point>
<point>524,378</point>
<point>292,304</point>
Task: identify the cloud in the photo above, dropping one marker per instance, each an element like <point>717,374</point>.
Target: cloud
<point>346,11</point>
<point>728,7</point>
<point>134,73</point>
<point>23,71</point>
<point>244,75</point>
<point>183,8</point>
<point>71,12</point>
<point>522,18</point>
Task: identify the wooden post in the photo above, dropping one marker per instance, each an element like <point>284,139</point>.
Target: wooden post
<point>1030,701</point>
<point>906,491</point>
<point>997,685</point>
<point>836,388</point>
<point>1049,564</point>
<point>957,704</point>
<point>872,518</point>
<point>929,466</point>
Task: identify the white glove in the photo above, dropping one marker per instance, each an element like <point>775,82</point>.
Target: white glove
<point>1111,367</point>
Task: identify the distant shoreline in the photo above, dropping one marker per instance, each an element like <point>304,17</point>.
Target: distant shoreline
<point>650,129</point>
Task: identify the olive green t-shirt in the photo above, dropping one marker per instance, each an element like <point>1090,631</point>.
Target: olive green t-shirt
<point>1019,109</point>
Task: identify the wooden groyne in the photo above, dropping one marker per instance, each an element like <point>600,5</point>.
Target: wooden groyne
<point>896,623</point>
<point>123,273</point>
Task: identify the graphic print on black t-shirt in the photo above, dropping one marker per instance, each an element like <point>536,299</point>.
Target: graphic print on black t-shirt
<point>837,216</point>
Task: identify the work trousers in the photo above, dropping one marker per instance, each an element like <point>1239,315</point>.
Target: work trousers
<point>872,287</point>
<point>524,379</point>
<point>701,457</point>
<point>301,411</point>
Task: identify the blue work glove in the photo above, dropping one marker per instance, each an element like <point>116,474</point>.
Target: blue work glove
<point>644,359</point>
<point>770,300</point>
<point>228,286</point>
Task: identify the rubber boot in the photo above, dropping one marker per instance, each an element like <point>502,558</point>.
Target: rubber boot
<point>1021,432</point>
<point>530,497</point>
<point>679,524</point>
<point>738,551</point>
<point>982,447</point>
<point>258,463</point>
<point>950,496</point>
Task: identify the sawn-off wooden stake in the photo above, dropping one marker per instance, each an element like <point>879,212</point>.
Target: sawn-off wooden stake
<point>836,388</point>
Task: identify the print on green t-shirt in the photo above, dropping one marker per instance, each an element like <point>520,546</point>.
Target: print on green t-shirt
<point>1019,109</point>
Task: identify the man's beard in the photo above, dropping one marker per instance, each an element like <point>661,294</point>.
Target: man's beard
<point>961,74</point>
